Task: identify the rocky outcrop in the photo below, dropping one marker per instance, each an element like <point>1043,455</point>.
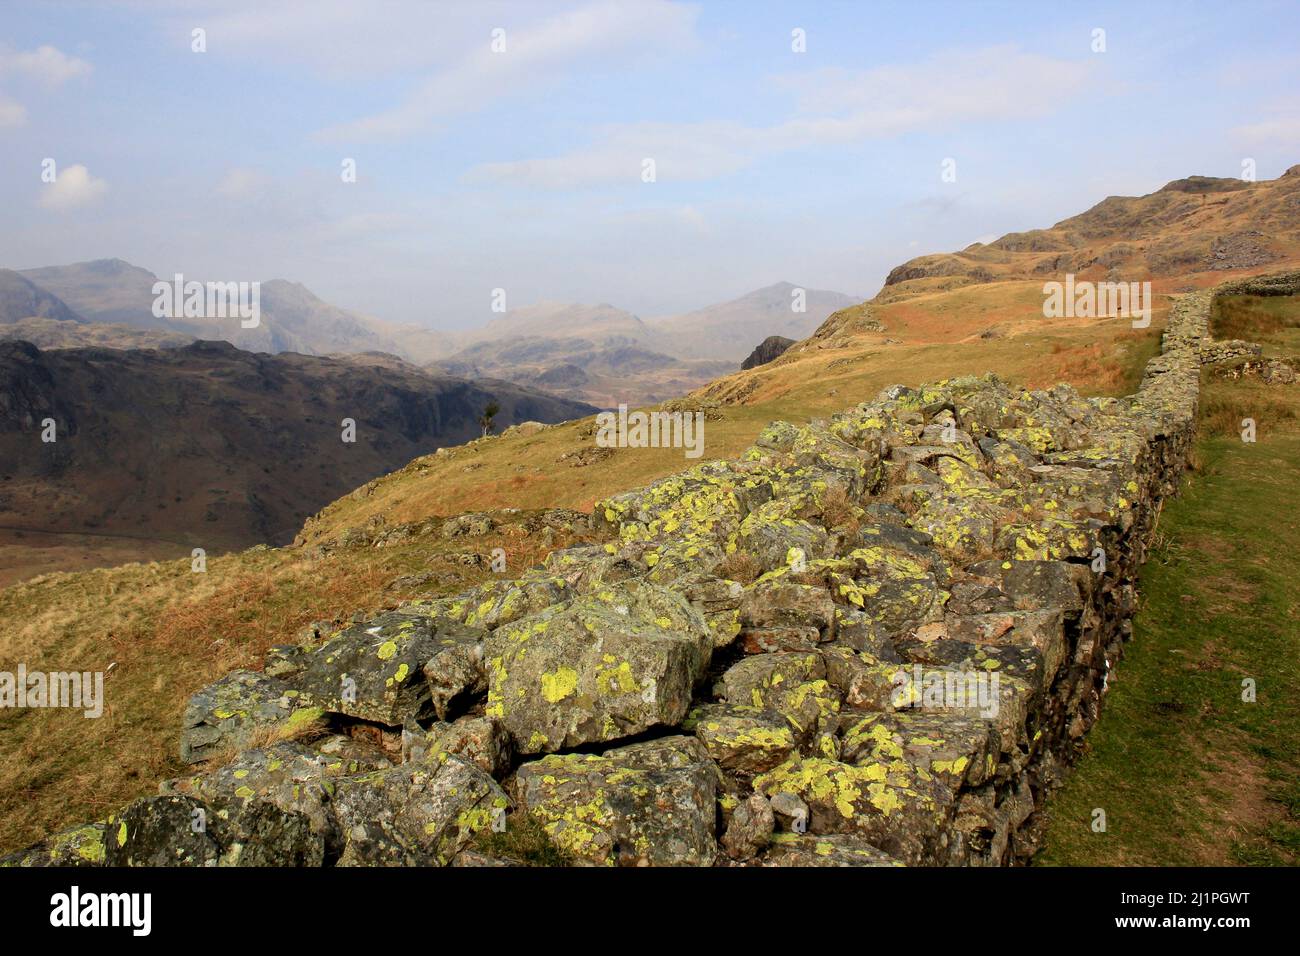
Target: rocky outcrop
<point>872,640</point>
<point>768,350</point>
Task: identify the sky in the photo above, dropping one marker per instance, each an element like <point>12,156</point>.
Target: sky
<point>504,145</point>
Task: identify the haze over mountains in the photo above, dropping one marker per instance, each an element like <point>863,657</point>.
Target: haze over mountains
<point>597,353</point>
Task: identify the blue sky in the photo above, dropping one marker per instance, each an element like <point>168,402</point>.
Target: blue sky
<point>522,169</point>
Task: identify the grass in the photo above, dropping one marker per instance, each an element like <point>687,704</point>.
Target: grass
<point>525,841</point>
<point>161,632</point>
<point>1187,771</point>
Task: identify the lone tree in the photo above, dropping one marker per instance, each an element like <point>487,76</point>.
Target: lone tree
<point>486,419</point>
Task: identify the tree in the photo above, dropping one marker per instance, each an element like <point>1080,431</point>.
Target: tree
<point>486,419</point>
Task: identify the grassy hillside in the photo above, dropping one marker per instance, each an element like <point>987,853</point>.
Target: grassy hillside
<point>1187,772</point>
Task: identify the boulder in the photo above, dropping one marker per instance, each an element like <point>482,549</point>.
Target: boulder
<point>179,830</point>
<point>419,814</point>
<point>750,829</point>
<point>603,667</point>
<point>225,715</point>
<point>377,671</point>
<point>647,804</point>
<point>829,849</point>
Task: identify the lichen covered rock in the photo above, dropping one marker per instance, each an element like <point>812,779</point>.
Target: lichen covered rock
<point>603,667</point>
<point>648,804</point>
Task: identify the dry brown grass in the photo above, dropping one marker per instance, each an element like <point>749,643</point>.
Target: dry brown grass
<point>839,511</point>
<point>739,566</point>
<point>262,737</point>
<point>168,632</point>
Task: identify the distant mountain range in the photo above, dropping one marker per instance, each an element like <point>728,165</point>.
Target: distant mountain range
<point>729,331</point>
<point>220,447</point>
<point>595,353</point>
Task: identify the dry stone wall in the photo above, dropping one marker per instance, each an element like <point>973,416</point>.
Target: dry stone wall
<point>873,640</point>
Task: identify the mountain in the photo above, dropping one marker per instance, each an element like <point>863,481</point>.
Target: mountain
<point>607,356</point>
<point>1200,224</point>
<point>605,372</point>
<point>729,330</point>
<point>103,290</point>
<point>292,318</point>
<point>602,323</point>
<point>20,298</point>
<point>592,353</point>
<point>220,447</point>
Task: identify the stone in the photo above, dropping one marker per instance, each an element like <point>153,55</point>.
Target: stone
<point>898,808</point>
<point>790,812</point>
<point>646,804</point>
<point>375,671</point>
<point>830,849</point>
<point>77,846</point>
<point>178,830</point>
<point>750,828</point>
<point>225,715</point>
<point>603,667</point>
<point>296,777</point>
<point>742,738</point>
<point>483,741</point>
<point>418,814</point>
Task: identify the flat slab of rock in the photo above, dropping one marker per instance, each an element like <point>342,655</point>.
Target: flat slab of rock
<point>608,665</point>
<point>831,849</point>
<point>178,830</point>
<point>224,715</point>
<point>648,804</point>
<point>419,814</point>
<point>375,671</point>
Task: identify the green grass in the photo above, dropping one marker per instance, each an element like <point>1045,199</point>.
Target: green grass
<point>1269,320</point>
<point>1187,772</point>
<point>524,841</point>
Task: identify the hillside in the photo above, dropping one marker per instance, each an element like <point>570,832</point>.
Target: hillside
<point>206,445</point>
<point>1189,226</point>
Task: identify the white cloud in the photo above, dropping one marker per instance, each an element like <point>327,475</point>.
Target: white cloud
<point>45,64</point>
<point>12,113</point>
<point>834,107</point>
<point>535,55</point>
<point>73,187</point>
